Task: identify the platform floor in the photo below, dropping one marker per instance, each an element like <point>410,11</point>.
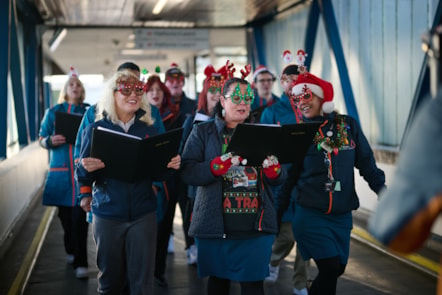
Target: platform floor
<point>369,271</point>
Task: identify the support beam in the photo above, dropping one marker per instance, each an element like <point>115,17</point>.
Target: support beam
<point>311,32</point>
<point>31,78</point>
<point>5,26</point>
<point>332,31</point>
<point>17,86</point>
<point>259,45</point>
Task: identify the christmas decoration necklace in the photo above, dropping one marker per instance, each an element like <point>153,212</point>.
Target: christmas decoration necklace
<point>330,143</point>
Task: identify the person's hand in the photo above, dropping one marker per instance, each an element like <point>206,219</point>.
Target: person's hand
<point>221,164</point>
<point>175,162</point>
<point>271,167</point>
<point>85,204</point>
<point>57,140</point>
<point>92,164</point>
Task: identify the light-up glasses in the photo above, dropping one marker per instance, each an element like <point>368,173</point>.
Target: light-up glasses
<point>127,88</point>
<point>306,96</point>
<point>237,96</point>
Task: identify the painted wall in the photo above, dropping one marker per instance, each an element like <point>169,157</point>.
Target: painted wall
<point>21,177</point>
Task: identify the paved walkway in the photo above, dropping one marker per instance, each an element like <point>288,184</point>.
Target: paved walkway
<point>369,271</point>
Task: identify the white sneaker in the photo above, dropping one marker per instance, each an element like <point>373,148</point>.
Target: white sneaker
<point>170,247</point>
<point>300,292</point>
<point>70,258</point>
<point>81,272</point>
<point>273,274</point>
<point>192,254</point>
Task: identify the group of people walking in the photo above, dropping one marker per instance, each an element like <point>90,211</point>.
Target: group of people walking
<point>240,220</point>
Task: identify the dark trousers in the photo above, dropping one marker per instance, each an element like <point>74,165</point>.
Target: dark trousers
<point>177,194</point>
<point>329,270</point>
<point>75,227</point>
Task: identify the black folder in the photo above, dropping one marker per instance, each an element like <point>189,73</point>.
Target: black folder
<point>255,142</point>
<point>130,158</point>
<point>67,124</point>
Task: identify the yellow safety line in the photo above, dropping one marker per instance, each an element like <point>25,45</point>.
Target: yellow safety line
<point>20,281</point>
<point>417,259</point>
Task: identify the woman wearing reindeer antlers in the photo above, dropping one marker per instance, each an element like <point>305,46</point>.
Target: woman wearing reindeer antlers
<point>234,220</point>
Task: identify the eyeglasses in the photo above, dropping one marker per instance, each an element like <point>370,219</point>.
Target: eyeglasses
<point>237,96</point>
<point>288,78</point>
<point>306,96</point>
<point>127,89</point>
<point>236,99</point>
<point>175,78</point>
<point>265,80</point>
<point>214,89</point>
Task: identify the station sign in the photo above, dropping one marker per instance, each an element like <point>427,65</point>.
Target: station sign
<point>171,38</point>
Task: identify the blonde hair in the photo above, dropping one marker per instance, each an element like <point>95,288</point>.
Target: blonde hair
<point>63,97</point>
<point>106,104</point>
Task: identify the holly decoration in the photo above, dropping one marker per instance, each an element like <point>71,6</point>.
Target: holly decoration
<point>337,142</point>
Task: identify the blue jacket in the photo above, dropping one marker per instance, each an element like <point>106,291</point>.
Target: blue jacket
<point>89,117</point>
<point>259,105</point>
<point>187,105</point>
<point>280,113</point>
<point>308,190</point>
<point>60,186</point>
<point>111,198</point>
<point>203,145</point>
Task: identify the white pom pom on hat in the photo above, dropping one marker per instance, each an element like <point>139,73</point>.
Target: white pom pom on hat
<point>328,107</point>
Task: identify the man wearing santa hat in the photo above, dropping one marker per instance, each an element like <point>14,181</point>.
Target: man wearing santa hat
<point>263,80</point>
<point>323,186</point>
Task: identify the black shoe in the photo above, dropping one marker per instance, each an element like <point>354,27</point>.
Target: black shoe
<point>161,281</point>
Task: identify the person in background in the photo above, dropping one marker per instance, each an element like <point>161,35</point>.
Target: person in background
<point>124,213</point>
<point>323,186</point>
<point>184,106</point>
<point>286,112</point>
<point>175,83</point>
<point>90,114</point>
<point>159,95</point>
<point>232,244</point>
<point>60,188</point>
<point>263,80</point>
<point>207,100</point>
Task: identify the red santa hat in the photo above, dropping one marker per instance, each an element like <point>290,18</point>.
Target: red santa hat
<point>319,87</point>
<point>174,71</point>
<point>261,69</point>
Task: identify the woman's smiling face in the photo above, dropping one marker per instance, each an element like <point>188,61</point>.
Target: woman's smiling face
<point>310,108</point>
<point>128,104</point>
